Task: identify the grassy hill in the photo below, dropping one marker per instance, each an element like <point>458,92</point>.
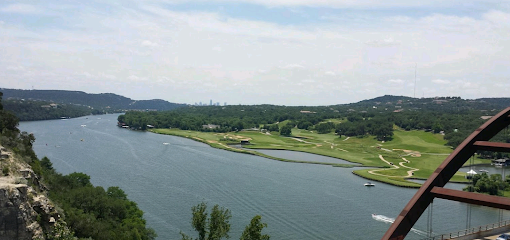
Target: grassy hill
<point>419,151</point>
<point>97,101</point>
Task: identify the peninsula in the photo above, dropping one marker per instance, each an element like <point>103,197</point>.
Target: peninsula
<point>396,138</point>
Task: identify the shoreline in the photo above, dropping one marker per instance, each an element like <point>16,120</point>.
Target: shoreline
<point>255,153</point>
<point>402,183</point>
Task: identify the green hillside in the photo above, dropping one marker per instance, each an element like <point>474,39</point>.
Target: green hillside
<point>101,101</point>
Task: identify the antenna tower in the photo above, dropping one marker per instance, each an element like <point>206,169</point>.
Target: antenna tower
<point>415,66</point>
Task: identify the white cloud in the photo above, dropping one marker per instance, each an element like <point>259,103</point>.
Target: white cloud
<point>107,76</point>
<point>88,75</point>
<point>292,66</point>
<point>20,8</point>
<point>335,3</point>
<point>469,85</point>
<point>15,68</point>
<point>183,56</point>
<point>441,81</point>
<point>395,81</point>
<point>383,43</point>
<point>497,17</point>
<point>147,43</point>
<point>133,78</point>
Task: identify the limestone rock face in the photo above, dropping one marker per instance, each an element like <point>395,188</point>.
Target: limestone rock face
<point>18,219</point>
<point>22,209</point>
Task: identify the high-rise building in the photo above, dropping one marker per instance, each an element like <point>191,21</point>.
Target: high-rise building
<point>210,102</point>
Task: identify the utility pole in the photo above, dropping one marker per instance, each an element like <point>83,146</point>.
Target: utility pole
<point>415,66</point>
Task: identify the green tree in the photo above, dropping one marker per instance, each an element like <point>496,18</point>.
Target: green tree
<point>483,183</point>
<point>254,230</point>
<point>46,164</point>
<point>60,231</point>
<point>116,192</point>
<point>78,179</point>
<point>215,227</point>
<point>286,130</point>
<point>437,127</point>
<point>323,128</point>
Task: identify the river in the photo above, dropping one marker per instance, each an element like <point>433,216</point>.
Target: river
<point>297,201</point>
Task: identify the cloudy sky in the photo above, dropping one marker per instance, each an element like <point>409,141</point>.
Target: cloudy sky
<point>285,52</point>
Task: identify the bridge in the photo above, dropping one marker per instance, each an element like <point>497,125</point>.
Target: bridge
<point>433,187</point>
<point>489,231</point>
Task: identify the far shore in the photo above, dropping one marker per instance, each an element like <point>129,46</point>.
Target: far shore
<point>360,151</point>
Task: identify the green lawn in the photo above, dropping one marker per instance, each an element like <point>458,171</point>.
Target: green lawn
<point>424,150</point>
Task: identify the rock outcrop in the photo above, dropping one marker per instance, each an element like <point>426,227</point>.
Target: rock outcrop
<point>24,212</point>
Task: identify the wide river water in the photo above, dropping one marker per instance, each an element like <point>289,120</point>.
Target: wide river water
<point>297,201</point>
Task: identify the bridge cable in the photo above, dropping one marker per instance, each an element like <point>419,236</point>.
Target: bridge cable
<point>429,219</point>
<point>468,211</point>
<point>503,178</point>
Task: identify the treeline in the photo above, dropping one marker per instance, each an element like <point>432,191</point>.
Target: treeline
<point>344,120</point>
<point>103,101</point>
<point>379,126</point>
<point>493,184</point>
<point>27,110</point>
<point>216,225</point>
<point>91,212</point>
<point>228,118</point>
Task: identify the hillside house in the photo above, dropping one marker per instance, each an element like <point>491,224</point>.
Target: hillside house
<point>210,126</point>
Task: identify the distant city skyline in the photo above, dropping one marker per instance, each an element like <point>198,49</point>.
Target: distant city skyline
<point>258,52</point>
<point>210,103</point>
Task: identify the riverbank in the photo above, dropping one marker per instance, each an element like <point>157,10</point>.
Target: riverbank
<point>419,151</point>
<point>297,201</point>
<point>226,146</point>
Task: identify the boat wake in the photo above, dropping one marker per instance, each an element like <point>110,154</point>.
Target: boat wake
<point>382,218</point>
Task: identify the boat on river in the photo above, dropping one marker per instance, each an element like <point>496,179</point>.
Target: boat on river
<point>369,184</point>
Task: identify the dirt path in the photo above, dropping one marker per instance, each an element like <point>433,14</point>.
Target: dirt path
<point>409,173</point>
<point>303,141</point>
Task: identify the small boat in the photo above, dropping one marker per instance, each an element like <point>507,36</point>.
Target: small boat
<point>483,170</point>
<point>369,184</point>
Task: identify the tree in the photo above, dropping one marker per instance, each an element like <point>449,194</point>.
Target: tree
<point>286,130</point>
<point>323,128</point>
<point>215,227</point>
<point>254,230</point>
<point>484,183</point>
<point>77,179</point>
<point>60,231</point>
<point>437,127</point>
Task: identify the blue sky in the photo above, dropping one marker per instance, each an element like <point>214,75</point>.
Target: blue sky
<point>286,52</point>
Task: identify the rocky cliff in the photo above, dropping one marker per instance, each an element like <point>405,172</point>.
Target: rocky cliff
<point>25,211</point>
